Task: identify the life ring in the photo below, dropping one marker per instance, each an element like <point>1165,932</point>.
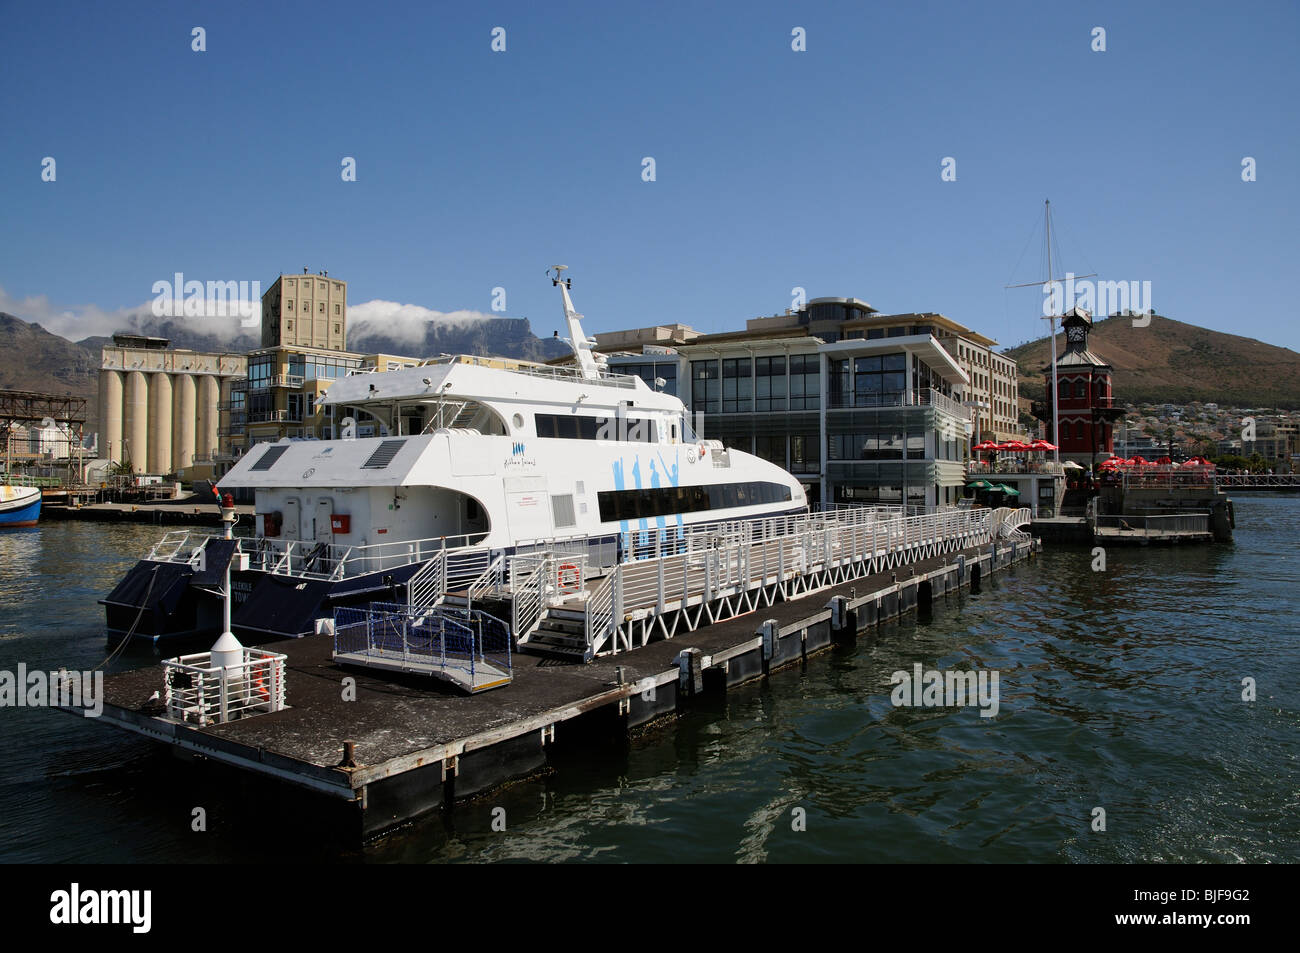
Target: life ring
<point>260,690</point>
<point>570,571</point>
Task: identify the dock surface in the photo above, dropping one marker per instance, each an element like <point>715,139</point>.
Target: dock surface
<point>417,744</point>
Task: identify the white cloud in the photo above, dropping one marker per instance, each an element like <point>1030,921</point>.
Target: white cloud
<point>82,321</point>
<point>407,322</point>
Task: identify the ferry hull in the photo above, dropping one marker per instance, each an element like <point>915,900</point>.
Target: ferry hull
<point>19,506</point>
<point>159,602</point>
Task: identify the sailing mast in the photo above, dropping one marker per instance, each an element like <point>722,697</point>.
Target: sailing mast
<point>1051,322</point>
<point>1050,318</point>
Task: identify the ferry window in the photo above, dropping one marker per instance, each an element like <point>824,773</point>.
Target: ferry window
<point>618,505</point>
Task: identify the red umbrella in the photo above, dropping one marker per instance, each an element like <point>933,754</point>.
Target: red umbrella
<point>1042,445</point>
<point>1014,445</point>
<point>1164,461</point>
<point>1140,461</point>
<point>984,446</point>
<point>1110,463</point>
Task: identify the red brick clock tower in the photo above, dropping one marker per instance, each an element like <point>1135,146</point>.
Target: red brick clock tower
<point>1085,413</point>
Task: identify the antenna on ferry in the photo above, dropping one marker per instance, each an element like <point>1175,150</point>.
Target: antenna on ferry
<point>577,339</point>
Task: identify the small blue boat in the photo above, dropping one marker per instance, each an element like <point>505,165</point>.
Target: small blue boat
<point>19,506</point>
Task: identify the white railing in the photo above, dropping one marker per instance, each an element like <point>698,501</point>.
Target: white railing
<point>489,582</point>
<point>1159,523</point>
<point>427,586</point>
<point>727,560</point>
<point>531,578</point>
<point>309,559</point>
<point>197,692</point>
<point>604,607</point>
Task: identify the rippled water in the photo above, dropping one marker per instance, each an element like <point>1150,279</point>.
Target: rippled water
<point>1119,689</point>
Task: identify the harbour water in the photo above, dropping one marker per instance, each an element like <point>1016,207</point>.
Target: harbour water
<point>1120,689</point>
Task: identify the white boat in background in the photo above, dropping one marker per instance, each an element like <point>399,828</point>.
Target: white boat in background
<point>498,455</point>
<point>19,506</point>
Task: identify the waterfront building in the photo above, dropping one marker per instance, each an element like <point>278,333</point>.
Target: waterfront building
<point>306,311</point>
<point>281,397</point>
<point>860,405</point>
<point>158,405</point>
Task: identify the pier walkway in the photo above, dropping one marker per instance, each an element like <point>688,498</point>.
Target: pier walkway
<point>674,580</point>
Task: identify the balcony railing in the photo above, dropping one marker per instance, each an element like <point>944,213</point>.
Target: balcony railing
<point>1015,466</point>
<point>274,416</point>
<point>920,397</point>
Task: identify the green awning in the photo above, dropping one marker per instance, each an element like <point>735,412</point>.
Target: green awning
<point>1008,490</point>
<point>980,485</point>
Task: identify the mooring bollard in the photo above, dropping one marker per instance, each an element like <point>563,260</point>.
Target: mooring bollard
<point>690,671</point>
<point>770,631</point>
<point>349,755</point>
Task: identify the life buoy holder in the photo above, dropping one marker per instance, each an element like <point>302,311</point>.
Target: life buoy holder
<point>260,690</point>
<point>568,578</point>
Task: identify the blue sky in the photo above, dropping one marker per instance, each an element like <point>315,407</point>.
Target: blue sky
<point>775,169</point>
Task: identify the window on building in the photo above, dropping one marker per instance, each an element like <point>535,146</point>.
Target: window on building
<point>289,305</point>
<point>838,383</point>
<point>805,382</point>
<point>805,453</point>
<point>737,385</point>
<point>769,383</point>
<point>706,387</point>
<point>1063,390</point>
<point>321,309</point>
<point>879,380</point>
<point>336,311</point>
<point>770,447</point>
<point>1080,389</point>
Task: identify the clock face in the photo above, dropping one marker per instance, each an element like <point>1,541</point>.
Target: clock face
<point>1075,334</point>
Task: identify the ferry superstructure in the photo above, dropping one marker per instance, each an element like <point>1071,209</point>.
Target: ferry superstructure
<point>498,454</point>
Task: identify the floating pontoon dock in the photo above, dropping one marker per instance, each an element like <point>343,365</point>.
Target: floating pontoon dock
<point>384,751</point>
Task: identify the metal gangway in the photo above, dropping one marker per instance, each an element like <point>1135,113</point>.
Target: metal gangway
<point>679,580</point>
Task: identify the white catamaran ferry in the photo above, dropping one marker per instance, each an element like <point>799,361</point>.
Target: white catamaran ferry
<point>496,454</point>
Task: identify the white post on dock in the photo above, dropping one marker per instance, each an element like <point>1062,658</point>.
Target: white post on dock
<point>227,652</point>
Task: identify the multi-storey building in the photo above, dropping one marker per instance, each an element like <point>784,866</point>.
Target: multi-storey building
<point>861,405</point>
<point>306,311</point>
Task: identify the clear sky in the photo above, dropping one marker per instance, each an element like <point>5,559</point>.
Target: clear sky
<point>775,169</point>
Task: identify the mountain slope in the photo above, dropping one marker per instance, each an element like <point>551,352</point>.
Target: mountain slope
<point>1173,362</point>
<point>32,358</point>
